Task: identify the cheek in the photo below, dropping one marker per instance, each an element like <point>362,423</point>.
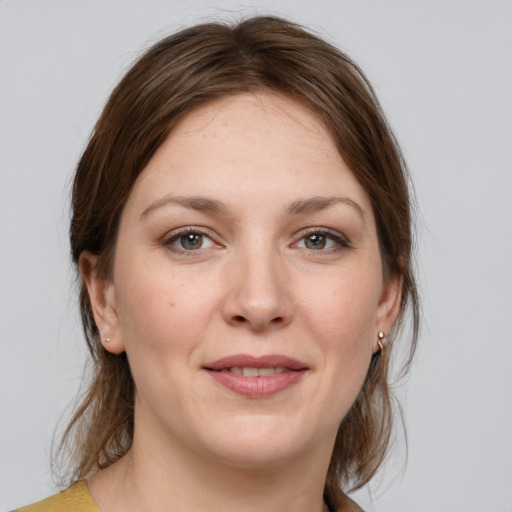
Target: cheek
<point>342,308</point>
<point>162,320</point>
<point>341,315</point>
<point>163,312</point>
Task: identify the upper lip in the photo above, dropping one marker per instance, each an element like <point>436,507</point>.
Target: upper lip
<point>248,361</point>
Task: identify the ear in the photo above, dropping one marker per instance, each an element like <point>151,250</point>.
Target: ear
<point>103,302</point>
<point>389,306</point>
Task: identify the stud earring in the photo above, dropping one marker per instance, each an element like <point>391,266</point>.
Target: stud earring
<point>381,336</point>
<point>107,340</point>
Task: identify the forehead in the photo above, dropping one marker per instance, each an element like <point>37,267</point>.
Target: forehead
<point>255,147</point>
<point>262,115</point>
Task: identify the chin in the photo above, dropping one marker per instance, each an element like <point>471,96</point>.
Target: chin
<point>258,442</point>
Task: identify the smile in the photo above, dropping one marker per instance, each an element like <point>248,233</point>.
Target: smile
<point>256,377</point>
<point>255,372</point>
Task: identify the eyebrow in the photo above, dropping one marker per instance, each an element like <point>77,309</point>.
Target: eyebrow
<point>199,203</point>
<point>299,207</point>
<point>314,204</point>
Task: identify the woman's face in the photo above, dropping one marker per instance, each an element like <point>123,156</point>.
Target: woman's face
<point>247,287</point>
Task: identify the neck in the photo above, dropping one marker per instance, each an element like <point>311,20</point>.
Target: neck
<point>159,476</point>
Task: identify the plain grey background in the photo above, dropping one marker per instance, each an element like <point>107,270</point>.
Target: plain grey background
<point>443,72</point>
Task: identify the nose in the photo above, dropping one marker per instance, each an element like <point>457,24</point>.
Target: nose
<point>259,294</point>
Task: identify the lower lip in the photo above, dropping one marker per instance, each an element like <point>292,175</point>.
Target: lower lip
<point>257,387</point>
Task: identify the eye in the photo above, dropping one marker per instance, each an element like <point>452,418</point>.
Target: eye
<point>191,241</point>
<point>188,240</point>
<point>319,240</point>
<point>316,241</point>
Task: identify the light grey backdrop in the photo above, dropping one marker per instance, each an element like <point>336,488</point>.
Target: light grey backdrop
<point>443,71</point>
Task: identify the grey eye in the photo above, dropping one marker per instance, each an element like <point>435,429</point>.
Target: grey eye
<point>188,240</point>
<point>315,241</point>
<point>191,241</point>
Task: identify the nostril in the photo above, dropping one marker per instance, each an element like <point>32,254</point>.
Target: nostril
<point>240,319</point>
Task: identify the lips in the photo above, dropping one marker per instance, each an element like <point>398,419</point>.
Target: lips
<point>256,377</point>
<point>255,372</point>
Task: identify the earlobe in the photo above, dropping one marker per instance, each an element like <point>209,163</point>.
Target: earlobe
<point>103,303</point>
<point>388,308</point>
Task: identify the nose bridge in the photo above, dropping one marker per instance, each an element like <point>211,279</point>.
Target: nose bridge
<point>258,294</point>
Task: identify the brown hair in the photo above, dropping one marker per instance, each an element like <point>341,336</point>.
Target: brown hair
<point>191,67</point>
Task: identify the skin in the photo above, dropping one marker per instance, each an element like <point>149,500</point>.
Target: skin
<point>258,285</point>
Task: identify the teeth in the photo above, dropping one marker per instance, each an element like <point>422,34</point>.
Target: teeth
<point>257,372</point>
<point>265,372</point>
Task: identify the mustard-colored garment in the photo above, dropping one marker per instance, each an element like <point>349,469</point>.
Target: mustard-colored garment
<point>74,499</point>
<point>77,499</point>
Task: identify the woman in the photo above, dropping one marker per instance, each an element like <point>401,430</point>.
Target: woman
<point>242,227</point>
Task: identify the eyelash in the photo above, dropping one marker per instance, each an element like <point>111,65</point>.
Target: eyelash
<point>174,236</point>
<point>341,241</point>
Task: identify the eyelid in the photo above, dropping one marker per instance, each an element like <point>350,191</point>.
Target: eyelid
<point>170,237</point>
<point>342,240</point>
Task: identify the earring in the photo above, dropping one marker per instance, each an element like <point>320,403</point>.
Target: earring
<point>107,340</point>
<point>381,336</point>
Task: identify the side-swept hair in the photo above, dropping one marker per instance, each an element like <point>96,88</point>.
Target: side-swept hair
<point>194,66</point>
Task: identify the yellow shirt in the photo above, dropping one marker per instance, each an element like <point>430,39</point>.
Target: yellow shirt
<point>74,499</point>
<point>77,499</point>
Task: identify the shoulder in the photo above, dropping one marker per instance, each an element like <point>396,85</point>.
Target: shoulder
<point>74,499</point>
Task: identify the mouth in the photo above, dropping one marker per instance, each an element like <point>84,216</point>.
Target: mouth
<point>255,372</point>
<point>256,377</point>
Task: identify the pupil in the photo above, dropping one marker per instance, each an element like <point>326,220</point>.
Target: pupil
<point>191,241</point>
<point>315,241</point>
